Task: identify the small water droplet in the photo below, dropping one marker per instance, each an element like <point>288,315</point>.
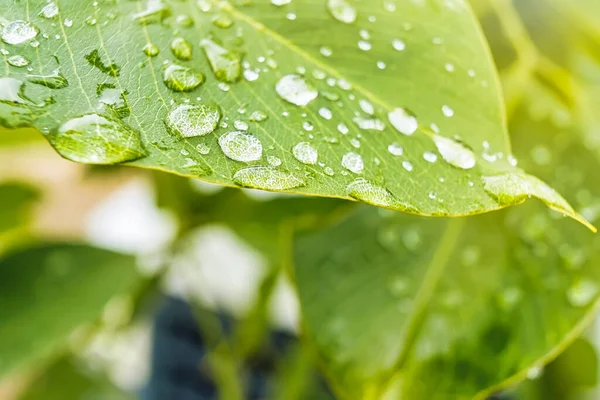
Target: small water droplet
<point>241,146</point>
<point>280,2</point>
<point>49,11</point>
<point>226,64</point>
<point>203,148</point>
<point>296,90</point>
<point>398,44</point>
<point>155,12</point>
<point>17,61</point>
<point>370,193</point>
<point>407,165</point>
<point>96,139</point>
<point>364,45</point>
<point>222,21</point>
<point>181,48</point>
<point>151,50</point>
<point>267,178</point>
<point>369,124</point>
<point>188,120</point>
<point>18,32</point>
<point>305,153</point>
<point>182,79</point>
<point>342,128</point>
<point>274,161</point>
<point>240,125</point>
<point>448,112</point>
<point>184,21</point>
<point>342,11</point>
<point>381,65</point>
<point>395,149</point>
<point>353,162</point>
<point>403,120</point>
<point>366,106</point>
<point>430,156</point>
<point>329,171</point>
<point>257,116</point>
<point>325,113</point>
<point>325,51</point>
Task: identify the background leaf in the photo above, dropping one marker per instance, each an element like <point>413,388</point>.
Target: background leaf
<point>50,290</point>
<point>143,83</point>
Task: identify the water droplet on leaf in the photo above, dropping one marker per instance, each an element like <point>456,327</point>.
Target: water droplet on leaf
<point>305,153</point>
<point>455,153</point>
<point>267,178</point>
<point>296,90</point>
<point>403,120</point>
<point>181,48</point>
<point>18,32</point>
<point>188,120</point>
<point>182,79</point>
<point>241,146</point>
<point>353,162</point>
<point>225,64</point>
<point>342,11</point>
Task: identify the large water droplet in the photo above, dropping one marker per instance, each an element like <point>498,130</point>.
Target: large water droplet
<point>188,120</point>
<point>305,153</point>
<point>181,48</point>
<point>403,120</point>
<point>225,64</point>
<point>182,79</point>
<point>454,153</point>
<point>353,162</point>
<point>241,146</point>
<point>18,32</point>
<point>267,178</point>
<point>155,12</point>
<point>296,90</point>
<point>96,139</point>
<point>342,11</point>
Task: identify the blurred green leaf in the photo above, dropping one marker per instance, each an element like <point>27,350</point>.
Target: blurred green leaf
<point>66,380</point>
<point>48,291</point>
<point>452,309</point>
<point>418,68</point>
<point>16,201</point>
<point>16,137</point>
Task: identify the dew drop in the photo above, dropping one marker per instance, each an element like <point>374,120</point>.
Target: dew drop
<point>241,146</point>
<point>188,120</point>
<point>17,61</point>
<point>114,100</point>
<point>280,2</point>
<point>267,178</point>
<point>367,192</point>
<point>369,124</point>
<point>448,112</point>
<point>222,21</point>
<point>325,113</point>
<point>49,11</point>
<point>151,50</point>
<point>403,120</point>
<point>454,153</point>
<point>56,80</point>
<point>398,44</point>
<point>251,75</point>
<point>184,21</point>
<point>430,157</point>
<point>366,106</point>
<point>257,116</point>
<point>329,171</point>
<point>305,153</point>
<point>240,125</point>
<point>353,162</point>
<point>181,48</point>
<point>296,90</point>
<point>307,126</point>
<point>18,32</point>
<point>325,51</point>
<point>395,149</point>
<point>407,165</point>
<point>342,128</point>
<point>97,139</point>
<point>274,161</point>
<point>225,64</point>
<point>342,11</point>
<point>155,12</point>
<point>182,79</point>
<point>364,45</point>
<point>203,148</point>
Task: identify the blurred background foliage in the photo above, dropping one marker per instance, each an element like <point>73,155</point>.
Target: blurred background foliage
<point>103,246</point>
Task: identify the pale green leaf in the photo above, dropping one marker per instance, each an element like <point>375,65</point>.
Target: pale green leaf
<point>48,291</point>
<point>325,90</point>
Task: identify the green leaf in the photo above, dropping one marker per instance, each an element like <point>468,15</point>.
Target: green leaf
<point>454,309</point>
<point>48,291</point>
<point>65,379</point>
<point>16,201</point>
<point>340,101</point>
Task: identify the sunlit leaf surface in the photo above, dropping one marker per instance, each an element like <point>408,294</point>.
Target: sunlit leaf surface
<point>395,104</point>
